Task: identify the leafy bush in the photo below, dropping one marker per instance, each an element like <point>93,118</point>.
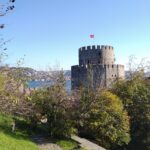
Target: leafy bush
<point>135,95</point>
<point>51,105</point>
<point>103,119</point>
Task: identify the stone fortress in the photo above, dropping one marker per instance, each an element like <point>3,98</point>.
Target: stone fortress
<point>96,68</point>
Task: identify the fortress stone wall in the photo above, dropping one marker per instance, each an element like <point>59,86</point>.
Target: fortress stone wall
<point>96,67</point>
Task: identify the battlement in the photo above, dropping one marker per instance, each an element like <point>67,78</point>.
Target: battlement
<point>96,47</point>
<point>96,54</point>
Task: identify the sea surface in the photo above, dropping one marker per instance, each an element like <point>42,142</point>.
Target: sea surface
<point>42,84</point>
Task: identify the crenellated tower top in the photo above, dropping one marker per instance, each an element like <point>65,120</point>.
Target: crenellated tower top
<point>96,54</point>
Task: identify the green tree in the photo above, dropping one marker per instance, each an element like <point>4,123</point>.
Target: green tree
<point>100,115</point>
<point>51,105</point>
<point>135,95</point>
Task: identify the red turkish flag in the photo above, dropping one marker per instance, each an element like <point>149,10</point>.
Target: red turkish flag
<point>91,36</point>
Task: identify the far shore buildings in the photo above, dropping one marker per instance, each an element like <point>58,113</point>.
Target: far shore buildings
<point>96,67</point>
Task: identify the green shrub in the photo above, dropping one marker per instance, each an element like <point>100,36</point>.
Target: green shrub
<point>101,116</point>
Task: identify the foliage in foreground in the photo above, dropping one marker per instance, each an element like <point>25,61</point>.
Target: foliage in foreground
<point>51,104</point>
<point>135,95</point>
<point>101,116</point>
<point>98,115</point>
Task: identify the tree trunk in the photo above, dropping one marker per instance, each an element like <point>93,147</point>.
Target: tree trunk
<point>13,126</point>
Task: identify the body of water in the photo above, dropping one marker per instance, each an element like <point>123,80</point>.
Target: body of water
<point>42,84</point>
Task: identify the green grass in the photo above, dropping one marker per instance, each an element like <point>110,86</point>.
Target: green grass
<point>13,141</point>
<point>8,142</point>
<point>69,144</point>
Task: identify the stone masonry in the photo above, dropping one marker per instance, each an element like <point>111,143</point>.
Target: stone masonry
<point>96,68</point>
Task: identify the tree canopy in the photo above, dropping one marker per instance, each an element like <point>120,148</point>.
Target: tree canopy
<point>135,95</point>
<point>101,116</point>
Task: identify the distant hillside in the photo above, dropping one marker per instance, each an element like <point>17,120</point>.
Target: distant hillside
<point>37,75</point>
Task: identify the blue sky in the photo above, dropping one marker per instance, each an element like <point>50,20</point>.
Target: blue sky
<point>51,31</point>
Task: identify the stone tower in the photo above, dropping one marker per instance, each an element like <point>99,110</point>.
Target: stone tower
<point>96,67</point>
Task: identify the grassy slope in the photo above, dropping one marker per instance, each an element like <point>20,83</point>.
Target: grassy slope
<point>13,141</point>
<point>20,140</point>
